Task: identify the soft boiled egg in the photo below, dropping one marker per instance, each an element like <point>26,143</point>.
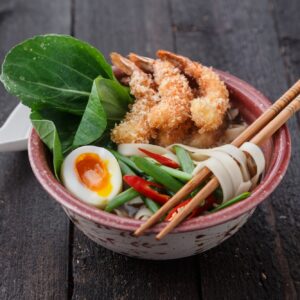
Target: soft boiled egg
<point>92,174</point>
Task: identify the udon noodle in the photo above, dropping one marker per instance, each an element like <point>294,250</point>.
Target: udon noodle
<point>136,208</point>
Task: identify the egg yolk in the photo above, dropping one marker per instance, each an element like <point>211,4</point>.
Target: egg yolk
<point>93,173</point>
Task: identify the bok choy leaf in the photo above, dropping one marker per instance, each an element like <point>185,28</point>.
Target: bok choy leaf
<point>49,135</point>
<point>73,94</point>
<point>53,71</point>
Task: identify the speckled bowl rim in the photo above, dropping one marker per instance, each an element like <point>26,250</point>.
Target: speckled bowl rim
<point>278,167</point>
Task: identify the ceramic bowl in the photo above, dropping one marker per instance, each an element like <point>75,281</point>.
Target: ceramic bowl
<point>193,236</point>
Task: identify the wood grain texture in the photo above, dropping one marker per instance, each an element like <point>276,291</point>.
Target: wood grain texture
<point>287,25</point>
<point>258,41</point>
<point>143,27</point>
<point>102,274</point>
<point>34,230</point>
<point>124,26</point>
<point>240,37</point>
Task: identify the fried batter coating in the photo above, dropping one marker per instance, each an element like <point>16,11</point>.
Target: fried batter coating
<point>209,109</point>
<point>177,101</point>
<point>207,139</point>
<point>188,134</point>
<point>176,135</point>
<point>135,127</point>
<point>175,94</point>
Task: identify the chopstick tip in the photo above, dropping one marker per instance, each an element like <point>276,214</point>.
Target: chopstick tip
<point>159,236</point>
<point>138,232</point>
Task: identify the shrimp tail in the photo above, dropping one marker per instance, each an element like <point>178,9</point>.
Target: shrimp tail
<point>144,63</point>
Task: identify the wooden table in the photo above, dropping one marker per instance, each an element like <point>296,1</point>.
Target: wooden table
<point>43,256</point>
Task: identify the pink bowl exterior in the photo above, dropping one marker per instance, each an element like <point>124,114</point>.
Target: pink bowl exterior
<point>191,237</point>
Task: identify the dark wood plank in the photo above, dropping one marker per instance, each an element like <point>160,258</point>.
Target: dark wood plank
<point>124,26</point>
<point>262,260</point>
<point>286,19</point>
<point>103,274</point>
<point>34,230</point>
<point>287,24</point>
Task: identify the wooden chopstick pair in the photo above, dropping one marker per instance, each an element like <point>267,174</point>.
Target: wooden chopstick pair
<point>259,131</point>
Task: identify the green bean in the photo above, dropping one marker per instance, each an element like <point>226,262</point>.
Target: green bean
<point>153,206</point>
<point>125,169</point>
<point>149,178</point>
<point>183,176</point>
<point>126,160</point>
<point>232,201</point>
<point>185,161</point>
<point>159,175</point>
<point>151,160</point>
<point>121,199</point>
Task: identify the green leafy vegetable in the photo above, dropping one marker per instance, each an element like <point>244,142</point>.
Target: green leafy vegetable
<point>74,96</point>
<point>93,122</point>
<point>114,98</point>
<point>54,71</point>
<point>108,103</point>
<point>65,124</point>
<point>48,134</point>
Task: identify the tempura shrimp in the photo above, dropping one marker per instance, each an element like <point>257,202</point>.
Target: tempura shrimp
<point>208,110</point>
<point>174,92</point>
<point>135,126</point>
<point>144,63</point>
<point>176,135</point>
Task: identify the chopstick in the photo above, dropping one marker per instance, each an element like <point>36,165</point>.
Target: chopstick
<point>250,131</point>
<point>258,139</point>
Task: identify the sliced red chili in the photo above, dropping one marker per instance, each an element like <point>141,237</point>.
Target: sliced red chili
<point>209,201</point>
<point>161,159</point>
<point>196,211</point>
<point>176,208</point>
<point>144,187</point>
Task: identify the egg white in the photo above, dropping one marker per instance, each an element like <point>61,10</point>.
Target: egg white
<point>73,183</point>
